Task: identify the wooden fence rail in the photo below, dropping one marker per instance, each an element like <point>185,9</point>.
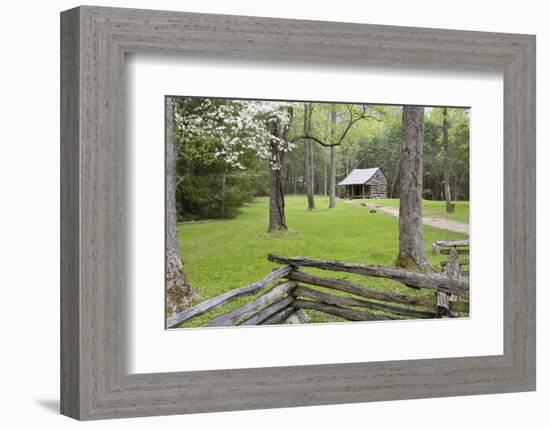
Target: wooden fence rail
<point>239,315</point>
<point>335,310</point>
<point>312,294</point>
<point>205,306</point>
<point>294,290</point>
<point>436,281</point>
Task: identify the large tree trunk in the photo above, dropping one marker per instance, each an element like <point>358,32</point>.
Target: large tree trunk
<point>332,183</point>
<point>345,160</point>
<point>179,292</point>
<point>277,220</point>
<point>295,175</point>
<point>458,187</point>
<point>446,174</point>
<point>326,155</point>
<point>309,176</point>
<point>396,176</point>
<point>411,243</point>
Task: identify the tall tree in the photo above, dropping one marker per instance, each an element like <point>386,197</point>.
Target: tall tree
<point>279,130</point>
<point>411,243</point>
<point>446,164</point>
<point>309,158</point>
<point>332,181</point>
<point>179,292</point>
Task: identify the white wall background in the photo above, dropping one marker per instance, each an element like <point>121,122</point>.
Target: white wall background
<point>29,211</point>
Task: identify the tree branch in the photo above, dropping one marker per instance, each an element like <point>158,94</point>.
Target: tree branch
<point>352,121</point>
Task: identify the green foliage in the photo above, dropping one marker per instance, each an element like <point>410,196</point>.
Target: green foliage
<point>226,254</point>
<point>200,196</point>
<point>459,153</point>
<point>208,185</point>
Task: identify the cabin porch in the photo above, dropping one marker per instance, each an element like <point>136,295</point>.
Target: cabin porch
<point>358,191</point>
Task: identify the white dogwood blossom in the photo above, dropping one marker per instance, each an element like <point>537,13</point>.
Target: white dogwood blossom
<point>237,126</point>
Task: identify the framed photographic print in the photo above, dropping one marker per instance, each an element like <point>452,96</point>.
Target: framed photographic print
<point>276,213</point>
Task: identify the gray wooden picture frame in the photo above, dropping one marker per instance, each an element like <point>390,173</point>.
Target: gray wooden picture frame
<point>94,382</point>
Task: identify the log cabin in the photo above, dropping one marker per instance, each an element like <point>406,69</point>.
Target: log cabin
<point>364,183</point>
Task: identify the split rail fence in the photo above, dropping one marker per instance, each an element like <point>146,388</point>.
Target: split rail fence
<point>289,290</point>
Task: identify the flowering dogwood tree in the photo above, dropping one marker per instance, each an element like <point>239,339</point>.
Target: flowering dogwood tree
<point>234,127</point>
<point>230,129</point>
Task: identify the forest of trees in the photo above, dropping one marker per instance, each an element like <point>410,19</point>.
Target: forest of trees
<point>215,179</point>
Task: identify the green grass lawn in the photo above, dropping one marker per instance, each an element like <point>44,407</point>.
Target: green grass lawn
<point>221,255</point>
<point>435,208</point>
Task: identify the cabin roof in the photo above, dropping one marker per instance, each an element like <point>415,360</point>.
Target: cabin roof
<point>359,176</point>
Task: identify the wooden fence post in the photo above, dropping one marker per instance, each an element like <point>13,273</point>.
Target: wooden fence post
<point>451,269</point>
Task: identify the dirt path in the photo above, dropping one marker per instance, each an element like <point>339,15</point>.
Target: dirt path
<point>445,224</point>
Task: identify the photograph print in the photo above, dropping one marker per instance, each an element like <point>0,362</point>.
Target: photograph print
<point>294,212</point>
